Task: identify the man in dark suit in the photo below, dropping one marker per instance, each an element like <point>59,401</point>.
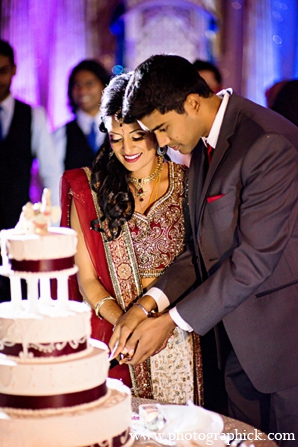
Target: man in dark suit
<point>77,141</point>
<point>24,138</point>
<point>243,212</point>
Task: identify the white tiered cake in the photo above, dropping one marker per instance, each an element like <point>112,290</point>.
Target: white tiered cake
<point>54,390</point>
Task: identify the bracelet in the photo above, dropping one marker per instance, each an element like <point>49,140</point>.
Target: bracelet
<point>98,305</point>
<point>148,314</point>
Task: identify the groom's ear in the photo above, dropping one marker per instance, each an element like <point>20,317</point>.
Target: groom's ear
<point>193,101</point>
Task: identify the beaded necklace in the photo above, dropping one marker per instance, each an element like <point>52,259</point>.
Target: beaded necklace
<point>139,182</point>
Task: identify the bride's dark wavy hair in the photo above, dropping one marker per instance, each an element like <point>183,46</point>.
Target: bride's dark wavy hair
<point>109,178</point>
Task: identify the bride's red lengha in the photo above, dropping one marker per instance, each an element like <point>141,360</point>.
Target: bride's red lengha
<point>147,245</point>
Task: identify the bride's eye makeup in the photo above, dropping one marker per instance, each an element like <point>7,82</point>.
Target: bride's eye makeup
<point>138,136</point>
<point>113,139</point>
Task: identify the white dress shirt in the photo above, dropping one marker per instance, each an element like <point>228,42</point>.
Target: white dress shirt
<point>161,299</point>
<point>42,147</point>
<point>84,121</point>
<point>177,157</point>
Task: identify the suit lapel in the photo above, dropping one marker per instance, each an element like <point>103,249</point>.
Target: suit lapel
<point>196,177</point>
<point>218,156</point>
<point>222,147</point>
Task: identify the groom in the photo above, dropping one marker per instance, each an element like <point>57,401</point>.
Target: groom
<point>243,212</point>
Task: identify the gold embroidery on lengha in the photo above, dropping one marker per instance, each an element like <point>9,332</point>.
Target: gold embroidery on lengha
<point>127,287</point>
<point>124,271</point>
<point>173,369</point>
<point>121,258</point>
<point>143,386</point>
<point>149,379</point>
<point>198,370</point>
<point>153,234</point>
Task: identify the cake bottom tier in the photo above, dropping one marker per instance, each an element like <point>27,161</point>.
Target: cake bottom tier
<point>105,422</point>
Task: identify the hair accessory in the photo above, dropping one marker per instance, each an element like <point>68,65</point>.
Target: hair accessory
<point>139,182</point>
<point>118,116</point>
<point>101,302</point>
<point>162,151</point>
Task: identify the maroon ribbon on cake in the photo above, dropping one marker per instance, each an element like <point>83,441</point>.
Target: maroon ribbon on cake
<point>120,440</point>
<point>42,265</point>
<point>16,349</point>
<point>55,401</point>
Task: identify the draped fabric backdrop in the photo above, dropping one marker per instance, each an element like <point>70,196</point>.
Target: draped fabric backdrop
<point>258,60</point>
<point>49,38</point>
<point>181,27</point>
<point>254,42</point>
<point>269,45</point>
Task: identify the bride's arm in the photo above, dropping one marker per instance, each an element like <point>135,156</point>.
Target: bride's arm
<point>90,287</point>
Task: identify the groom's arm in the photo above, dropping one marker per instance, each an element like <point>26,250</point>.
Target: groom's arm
<point>178,279</point>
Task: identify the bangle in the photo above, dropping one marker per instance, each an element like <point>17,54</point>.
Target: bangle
<point>148,314</point>
<point>98,305</point>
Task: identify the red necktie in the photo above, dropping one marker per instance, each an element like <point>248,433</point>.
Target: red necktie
<point>209,153</point>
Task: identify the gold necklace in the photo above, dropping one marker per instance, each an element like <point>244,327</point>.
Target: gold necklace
<point>139,182</point>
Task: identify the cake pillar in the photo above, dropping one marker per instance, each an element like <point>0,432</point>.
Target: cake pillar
<point>63,291</point>
<point>32,292</point>
<point>16,290</point>
<point>45,290</point>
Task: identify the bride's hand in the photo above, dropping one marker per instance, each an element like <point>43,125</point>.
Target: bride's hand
<point>149,338</point>
<point>126,324</point>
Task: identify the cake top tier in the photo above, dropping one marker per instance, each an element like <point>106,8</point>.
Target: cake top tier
<point>38,253</point>
<point>33,239</point>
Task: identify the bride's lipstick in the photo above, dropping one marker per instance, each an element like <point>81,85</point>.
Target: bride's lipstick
<point>132,158</point>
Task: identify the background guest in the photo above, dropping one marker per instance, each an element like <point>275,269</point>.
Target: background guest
<point>78,140</point>
<point>282,97</point>
<point>23,137</point>
<point>210,73</point>
<point>272,92</point>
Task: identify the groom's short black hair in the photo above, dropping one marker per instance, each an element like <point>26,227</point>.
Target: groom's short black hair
<point>162,83</point>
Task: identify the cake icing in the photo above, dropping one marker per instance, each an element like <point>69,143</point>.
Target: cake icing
<point>103,423</point>
<point>54,390</point>
<point>23,331</point>
<point>69,375</point>
<point>57,243</point>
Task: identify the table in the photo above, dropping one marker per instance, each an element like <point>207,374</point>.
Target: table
<point>230,426</point>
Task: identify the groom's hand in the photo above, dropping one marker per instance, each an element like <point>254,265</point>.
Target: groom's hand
<point>147,339</point>
<point>126,324</point>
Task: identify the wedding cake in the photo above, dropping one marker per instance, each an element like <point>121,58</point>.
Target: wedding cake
<point>54,390</point>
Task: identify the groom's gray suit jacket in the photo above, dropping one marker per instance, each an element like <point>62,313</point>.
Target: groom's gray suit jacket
<point>245,230</point>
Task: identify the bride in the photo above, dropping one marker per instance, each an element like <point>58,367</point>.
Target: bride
<point>128,213</point>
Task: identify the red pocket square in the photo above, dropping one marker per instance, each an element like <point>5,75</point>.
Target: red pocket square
<point>213,198</point>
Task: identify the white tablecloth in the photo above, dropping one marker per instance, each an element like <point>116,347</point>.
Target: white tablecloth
<point>230,426</point>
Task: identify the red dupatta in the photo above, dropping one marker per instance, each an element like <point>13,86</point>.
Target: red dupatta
<point>75,186</point>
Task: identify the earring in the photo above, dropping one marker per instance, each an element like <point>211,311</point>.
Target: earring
<point>162,150</point>
<point>111,153</point>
